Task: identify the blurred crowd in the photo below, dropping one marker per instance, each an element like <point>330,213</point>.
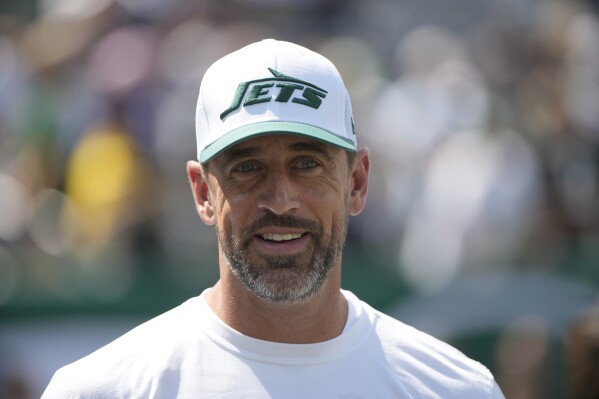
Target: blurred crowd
<point>482,118</point>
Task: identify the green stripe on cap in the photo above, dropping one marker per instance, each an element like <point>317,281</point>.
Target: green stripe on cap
<point>263,128</point>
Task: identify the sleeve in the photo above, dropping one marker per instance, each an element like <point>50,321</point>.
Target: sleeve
<point>59,388</point>
<point>496,392</point>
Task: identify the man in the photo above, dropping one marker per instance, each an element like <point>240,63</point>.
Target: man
<point>279,173</point>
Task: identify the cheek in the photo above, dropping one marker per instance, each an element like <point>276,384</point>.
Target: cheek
<point>232,215</point>
<point>329,206</point>
<point>325,190</point>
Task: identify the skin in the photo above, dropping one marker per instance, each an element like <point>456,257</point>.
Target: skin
<point>243,192</point>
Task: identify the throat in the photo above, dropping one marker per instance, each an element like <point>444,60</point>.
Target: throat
<point>299,324</point>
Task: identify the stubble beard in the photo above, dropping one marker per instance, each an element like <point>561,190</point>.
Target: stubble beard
<point>285,278</point>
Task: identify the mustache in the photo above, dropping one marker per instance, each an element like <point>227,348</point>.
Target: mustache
<point>272,220</point>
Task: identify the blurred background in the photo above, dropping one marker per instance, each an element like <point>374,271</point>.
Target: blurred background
<point>482,222</point>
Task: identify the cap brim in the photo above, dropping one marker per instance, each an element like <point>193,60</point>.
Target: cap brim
<point>263,128</point>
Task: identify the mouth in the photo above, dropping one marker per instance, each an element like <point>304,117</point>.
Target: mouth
<point>282,243</point>
<point>272,237</point>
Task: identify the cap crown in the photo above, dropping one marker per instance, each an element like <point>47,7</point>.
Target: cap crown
<point>272,87</point>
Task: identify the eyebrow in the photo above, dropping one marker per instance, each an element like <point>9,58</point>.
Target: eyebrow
<point>234,154</point>
<point>319,148</point>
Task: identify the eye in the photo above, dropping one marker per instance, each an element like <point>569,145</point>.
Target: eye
<point>245,167</point>
<point>307,163</point>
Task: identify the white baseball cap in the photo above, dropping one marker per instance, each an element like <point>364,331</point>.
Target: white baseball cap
<point>272,87</point>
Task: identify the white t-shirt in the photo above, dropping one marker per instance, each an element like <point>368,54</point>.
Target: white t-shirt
<point>188,352</point>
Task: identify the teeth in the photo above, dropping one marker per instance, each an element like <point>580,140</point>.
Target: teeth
<point>280,237</point>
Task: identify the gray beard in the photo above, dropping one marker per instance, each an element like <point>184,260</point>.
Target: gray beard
<point>284,279</point>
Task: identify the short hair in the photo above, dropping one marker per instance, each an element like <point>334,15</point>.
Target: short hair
<point>351,158</point>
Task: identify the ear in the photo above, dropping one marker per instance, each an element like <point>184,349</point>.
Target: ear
<point>201,192</point>
<point>359,182</point>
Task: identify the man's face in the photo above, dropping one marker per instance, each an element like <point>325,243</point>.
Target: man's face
<point>281,213</point>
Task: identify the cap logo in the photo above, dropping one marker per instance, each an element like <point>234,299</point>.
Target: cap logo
<point>281,88</point>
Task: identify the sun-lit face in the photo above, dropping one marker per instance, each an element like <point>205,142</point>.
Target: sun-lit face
<point>281,213</point>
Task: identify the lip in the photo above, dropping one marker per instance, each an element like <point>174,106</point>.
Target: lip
<point>279,230</point>
<point>282,247</point>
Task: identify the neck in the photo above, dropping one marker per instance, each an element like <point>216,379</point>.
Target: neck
<point>316,319</point>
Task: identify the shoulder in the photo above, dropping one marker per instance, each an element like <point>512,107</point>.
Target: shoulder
<point>131,361</point>
<point>429,363</point>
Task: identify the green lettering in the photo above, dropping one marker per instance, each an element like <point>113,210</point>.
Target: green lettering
<point>287,90</point>
<point>255,92</point>
<point>258,93</point>
<point>239,93</point>
<point>312,98</point>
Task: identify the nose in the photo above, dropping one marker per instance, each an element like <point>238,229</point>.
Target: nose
<point>279,193</point>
